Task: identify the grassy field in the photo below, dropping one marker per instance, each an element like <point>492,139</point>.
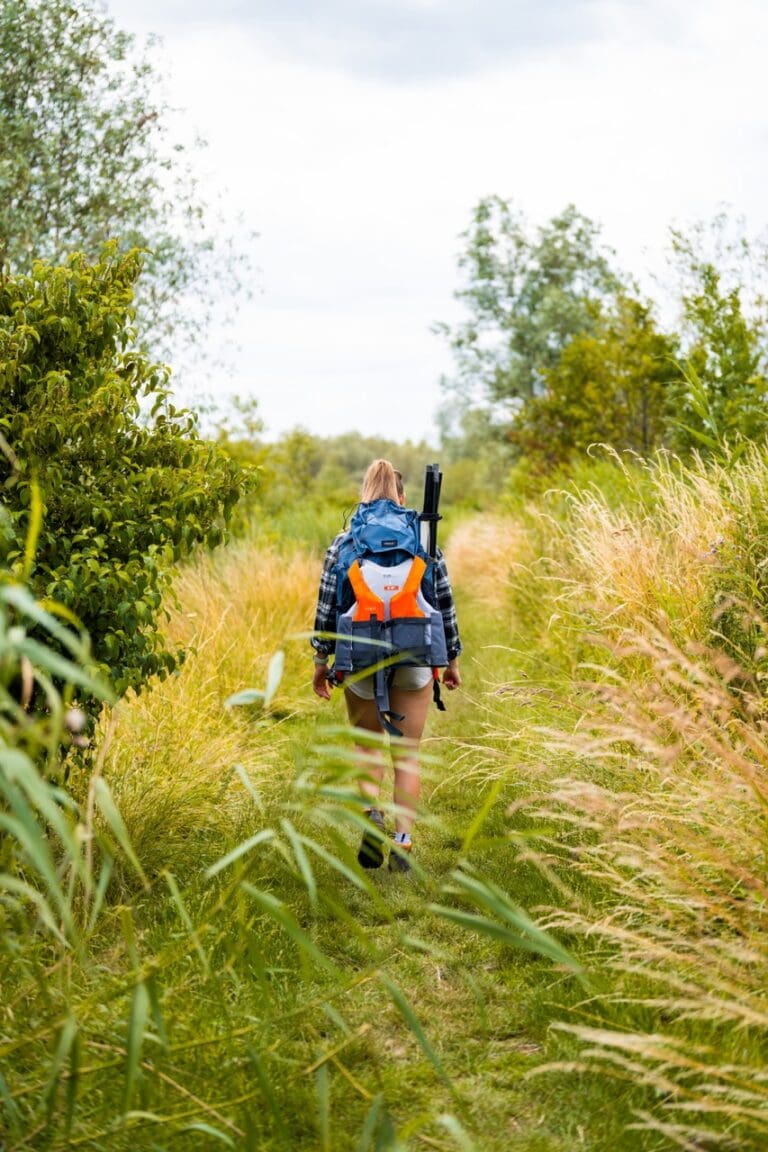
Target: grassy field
<point>579,960</point>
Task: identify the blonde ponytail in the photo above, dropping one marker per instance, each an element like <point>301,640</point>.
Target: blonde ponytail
<point>382,481</point>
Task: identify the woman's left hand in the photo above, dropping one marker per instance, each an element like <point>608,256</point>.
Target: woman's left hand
<point>320,682</point>
<point>452,676</point>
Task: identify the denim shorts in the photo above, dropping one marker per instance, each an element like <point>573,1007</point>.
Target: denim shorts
<point>409,679</point>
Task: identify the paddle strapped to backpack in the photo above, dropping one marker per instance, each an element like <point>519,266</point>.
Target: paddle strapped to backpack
<point>386,603</point>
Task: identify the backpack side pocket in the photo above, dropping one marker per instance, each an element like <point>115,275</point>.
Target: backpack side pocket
<point>411,636</point>
<point>353,653</point>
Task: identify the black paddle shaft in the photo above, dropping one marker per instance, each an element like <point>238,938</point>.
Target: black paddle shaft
<point>433,479</point>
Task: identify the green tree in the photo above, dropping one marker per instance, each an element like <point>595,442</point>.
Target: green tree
<point>300,466</point>
<point>611,385</point>
<point>291,467</point>
<point>722,394</point>
<point>127,485</point>
<point>528,293</point>
<point>347,455</point>
<point>475,453</point>
<point>85,156</point>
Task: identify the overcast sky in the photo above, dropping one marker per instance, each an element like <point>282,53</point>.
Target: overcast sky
<point>355,136</point>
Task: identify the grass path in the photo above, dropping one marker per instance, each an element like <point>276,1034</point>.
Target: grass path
<point>484,1007</point>
<point>246,986</point>
<point>286,1002</point>
<point>388,1026</point>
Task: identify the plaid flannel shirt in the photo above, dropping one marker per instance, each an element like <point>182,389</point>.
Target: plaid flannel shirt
<point>325,618</point>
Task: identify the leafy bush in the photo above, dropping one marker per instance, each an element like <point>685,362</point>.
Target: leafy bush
<point>127,484</point>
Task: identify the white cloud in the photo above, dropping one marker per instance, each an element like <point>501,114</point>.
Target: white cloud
<point>359,187</point>
<point>398,40</point>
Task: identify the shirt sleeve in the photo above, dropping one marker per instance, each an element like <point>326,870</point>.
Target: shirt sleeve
<point>446,607</point>
<point>325,616</point>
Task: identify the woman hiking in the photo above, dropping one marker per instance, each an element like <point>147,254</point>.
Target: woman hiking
<point>408,689</point>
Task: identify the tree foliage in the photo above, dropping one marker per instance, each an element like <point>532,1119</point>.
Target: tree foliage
<point>86,156</point>
<point>303,468</point>
<point>309,485</point>
<point>528,293</point>
<point>722,396</point>
<point>127,485</point>
<point>611,385</point>
<point>558,352</point>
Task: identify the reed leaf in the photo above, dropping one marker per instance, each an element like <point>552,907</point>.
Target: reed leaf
<point>278,912</point>
<point>261,837</point>
<point>111,814</point>
<point>302,860</point>
<point>409,1016</point>
<point>323,1089</point>
<point>209,1130</point>
<point>516,929</point>
<point>136,1031</point>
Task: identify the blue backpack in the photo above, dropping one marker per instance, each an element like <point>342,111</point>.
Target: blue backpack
<point>386,603</point>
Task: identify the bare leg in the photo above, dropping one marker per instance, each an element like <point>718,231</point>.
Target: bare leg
<point>405,752</point>
<point>363,714</point>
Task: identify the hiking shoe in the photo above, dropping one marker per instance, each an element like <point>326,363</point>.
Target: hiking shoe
<point>399,858</point>
<point>370,853</point>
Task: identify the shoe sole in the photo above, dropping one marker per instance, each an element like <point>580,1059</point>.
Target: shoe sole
<point>398,863</point>
<point>371,851</point>
<point>370,854</point>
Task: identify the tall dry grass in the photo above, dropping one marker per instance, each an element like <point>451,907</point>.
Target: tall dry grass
<point>677,921</point>
<point>169,753</point>
<point>634,731</point>
<point>662,559</point>
<point>484,553</point>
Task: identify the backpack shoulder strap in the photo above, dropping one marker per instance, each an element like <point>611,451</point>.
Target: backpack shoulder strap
<point>346,557</point>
